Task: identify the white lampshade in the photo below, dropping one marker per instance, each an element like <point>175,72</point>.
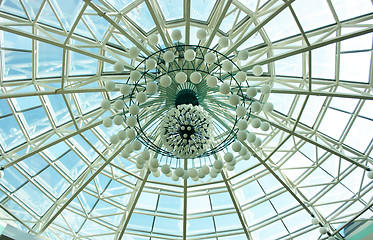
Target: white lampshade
<point>225,88</point>
<point>195,77</point>
<point>189,55</point>
<point>218,164</point>
<point>236,146</point>
<point>136,145</point>
<point>174,177</point>
<point>210,58</point>
<point>154,163</point>
<point>176,35</point>
<point>234,99</point>
<point>179,172</point>
<point>140,160</point>
<point>186,175</point>
<point>135,76</point>
<point>165,169</point>
<point>232,163</point>
<point>110,86</point>
<point>114,139</point>
<point>125,89</point>
<point>223,42</point>
<point>227,66</point>
<point>241,111</point>
<point>230,167</point>
<point>105,104</point>
<point>257,70</point>
<point>205,170</point>
<point>180,77</point>
<point>165,81</point>
<point>131,121</point>
<point>153,39</point>
<point>256,122</point>
<point>257,142</point>
<point>168,56</point>
<point>125,154</point>
<point>323,230</point>
<point>315,221</point>
<point>107,122</point>
<point>134,109</point>
<point>200,174</point>
<point>151,64</point>
<point>151,87</point>
<point>201,34</point>
<point>251,137</point>
<point>119,104</point>
<point>256,107</point>
<point>243,55</point>
<point>131,133</point>
<point>243,151</point>
<point>264,126</point>
<point>265,89</point>
<point>241,136</point>
<point>118,67</point>
<point>145,155</point>
<point>156,173</point>
<point>212,81</point>
<point>195,179</point>
<point>118,120</point>
<point>141,97</point>
<point>242,124</point>
<point>139,166</point>
<point>122,134</point>
<point>247,156</point>
<point>241,76</point>
<point>128,148</point>
<point>228,156</point>
<point>133,52</point>
<point>370,174</point>
<point>267,107</point>
<point>193,172</point>
<point>213,174</point>
<point>251,92</point>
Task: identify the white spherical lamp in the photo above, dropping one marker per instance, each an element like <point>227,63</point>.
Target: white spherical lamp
<point>210,58</point>
<point>234,99</point>
<point>267,107</point>
<point>141,97</point>
<point>154,163</point>
<point>168,56</point>
<point>256,107</point>
<point>241,136</point>
<point>212,81</point>
<point>107,122</point>
<point>193,172</point>
<point>136,145</point>
<point>176,35</point>
<point>174,177</point>
<point>135,76</point>
<point>236,146</point>
<point>151,64</point>
<point>119,104</point>
<point>227,66</point>
<point>243,55</point>
<point>131,121</point>
<point>179,172</point>
<point>323,230</point>
<point>195,77</point>
<point>241,111</point>
<point>230,167</point>
<point>265,89</point>
<point>213,174</point>
<point>128,148</point>
<point>225,88</point>
<point>114,139</point>
<point>205,170</point>
<point>201,34</point>
<point>180,77</point>
<point>105,104</point>
<point>151,87</point>
<point>156,173</point>
<point>228,156</point>
<point>153,39</point>
<point>189,55</point>
<point>223,42</point>
<point>264,126</point>
<point>131,133</point>
<point>241,76</point>
<point>256,122</point>
<point>125,89</point>
<point>251,137</point>
<point>242,124</point>
<point>251,92</point>
<point>315,221</point>
<point>118,120</point>
<point>133,52</point>
<point>166,169</point>
<point>110,86</point>
<point>370,174</point>
<point>122,135</point>
<point>218,164</point>
<point>257,142</point>
<point>134,109</point>
<point>118,67</point>
<point>165,81</point>
<point>257,70</point>
<point>243,151</point>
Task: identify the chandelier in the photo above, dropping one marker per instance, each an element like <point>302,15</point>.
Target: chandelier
<point>187,110</point>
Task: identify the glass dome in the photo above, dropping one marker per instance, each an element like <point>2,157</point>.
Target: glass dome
<point>87,123</point>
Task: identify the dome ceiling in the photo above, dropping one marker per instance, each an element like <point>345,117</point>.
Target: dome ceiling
<point>64,178</point>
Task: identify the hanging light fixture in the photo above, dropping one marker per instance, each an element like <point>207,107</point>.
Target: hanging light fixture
<point>170,103</point>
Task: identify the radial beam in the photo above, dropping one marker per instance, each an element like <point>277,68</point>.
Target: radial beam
<point>236,206</point>
<point>313,142</point>
<point>128,214</point>
<point>185,202</point>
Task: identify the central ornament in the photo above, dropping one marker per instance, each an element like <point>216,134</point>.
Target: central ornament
<point>187,131</point>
